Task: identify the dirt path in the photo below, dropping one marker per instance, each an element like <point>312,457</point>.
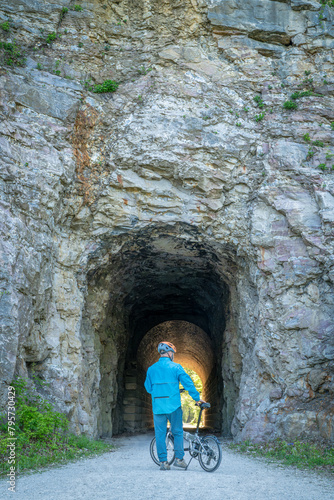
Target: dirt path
<point>130,474</point>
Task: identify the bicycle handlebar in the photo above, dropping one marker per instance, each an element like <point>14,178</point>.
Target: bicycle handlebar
<point>203,405</point>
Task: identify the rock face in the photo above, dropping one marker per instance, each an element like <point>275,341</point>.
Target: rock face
<point>191,194</point>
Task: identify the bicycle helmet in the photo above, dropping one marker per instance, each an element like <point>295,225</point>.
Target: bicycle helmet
<point>164,347</point>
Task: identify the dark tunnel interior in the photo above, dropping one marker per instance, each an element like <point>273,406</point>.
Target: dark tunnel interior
<point>162,289</point>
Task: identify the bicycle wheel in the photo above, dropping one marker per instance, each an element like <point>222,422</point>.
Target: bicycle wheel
<point>170,450</point>
<point>211,454</point>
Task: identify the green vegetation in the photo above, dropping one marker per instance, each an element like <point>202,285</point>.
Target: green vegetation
<point>259,101</point>
<point>298,453</point>
<point>106,86</point>
<point>318,143</point>
<point>143,71</point>
<point>63,13</point>
<point>5,26</point>
<point>80,44</point>
<point>306,137</point>
<point>78,8</point>
<point>51,37</point>
<point>307,81</point>
<point>310,154</point>
<point>332,125</point>
<point>11,54</point>
<point>190,411</point>
<point>290,105</point>
<point>298,95</point>
<point>322,166</point>
<point>41,432</point>
<point>259,117</point>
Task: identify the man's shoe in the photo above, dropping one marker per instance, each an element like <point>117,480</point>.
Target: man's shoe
<point>180,463</point>
<point>164,466</point>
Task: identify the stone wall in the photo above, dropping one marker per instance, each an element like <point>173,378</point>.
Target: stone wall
<point>191,193</point>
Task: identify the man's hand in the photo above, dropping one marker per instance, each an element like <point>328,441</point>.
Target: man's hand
<point>198,403</point>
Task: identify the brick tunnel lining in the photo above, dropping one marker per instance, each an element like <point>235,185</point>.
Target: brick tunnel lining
<point>194,351</point>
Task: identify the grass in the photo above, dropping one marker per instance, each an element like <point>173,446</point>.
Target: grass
<point>299,454</point>
<point>34,455</point>
<point>259,117</point>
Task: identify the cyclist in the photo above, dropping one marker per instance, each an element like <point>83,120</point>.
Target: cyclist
<point>162,382</point>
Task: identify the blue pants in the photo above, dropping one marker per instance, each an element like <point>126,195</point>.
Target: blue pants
<point>160,428</point>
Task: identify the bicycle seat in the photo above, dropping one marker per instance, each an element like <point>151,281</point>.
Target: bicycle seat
<point>205,405</point>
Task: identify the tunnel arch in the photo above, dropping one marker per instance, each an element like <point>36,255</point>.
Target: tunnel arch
<point>156,277</point>
<point>194,350</point>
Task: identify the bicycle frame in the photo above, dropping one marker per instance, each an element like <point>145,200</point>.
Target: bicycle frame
<point>195,439</point>
<point>205,448</point>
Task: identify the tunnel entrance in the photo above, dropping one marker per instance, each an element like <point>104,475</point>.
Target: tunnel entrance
<point>161,284</point>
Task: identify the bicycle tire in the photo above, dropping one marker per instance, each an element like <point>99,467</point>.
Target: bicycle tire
<point>170,450</point>
<point>210,462</point>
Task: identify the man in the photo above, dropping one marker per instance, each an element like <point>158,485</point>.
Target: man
<point>162,382</point>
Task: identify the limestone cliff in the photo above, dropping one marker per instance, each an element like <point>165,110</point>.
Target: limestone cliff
<point>201,190</point>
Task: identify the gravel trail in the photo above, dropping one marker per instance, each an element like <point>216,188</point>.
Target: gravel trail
<point>129,473</point>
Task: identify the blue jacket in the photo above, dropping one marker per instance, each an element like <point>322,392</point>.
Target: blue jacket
<point>162,382</point>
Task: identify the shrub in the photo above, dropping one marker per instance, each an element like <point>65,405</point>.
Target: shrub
<point>290,105</point>
<point>106,86</point>
<point>5,26</point>
<point>63,12</point>
<point>51,37</point>
<point>11,54</point>
<point>318,143</point>
<point>306,137</point>
<point>41,432</point>
<point>78,8</point>
<point>298,95</point>
<point>36,417</point>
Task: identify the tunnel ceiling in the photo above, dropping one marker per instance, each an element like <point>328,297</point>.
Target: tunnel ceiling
<point>164,277</point>
<point>172,286</point>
